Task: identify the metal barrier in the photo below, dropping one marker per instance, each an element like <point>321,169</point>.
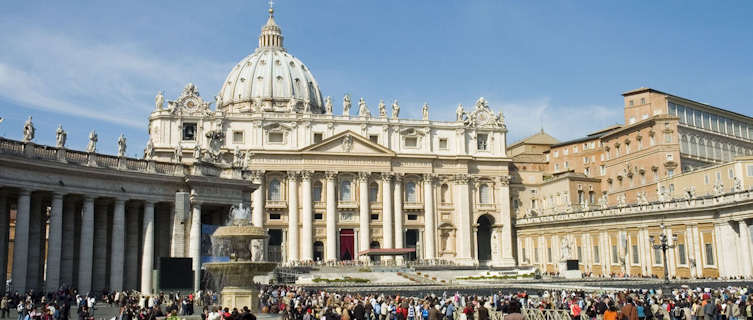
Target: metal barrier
<point>528,314</point>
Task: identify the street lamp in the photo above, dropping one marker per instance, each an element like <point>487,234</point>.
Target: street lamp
<point>664,245</point>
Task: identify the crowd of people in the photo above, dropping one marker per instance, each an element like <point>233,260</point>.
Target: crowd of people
<point>299,303</point>
<point>295,303</point>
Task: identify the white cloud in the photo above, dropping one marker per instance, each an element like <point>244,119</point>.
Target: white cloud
<point>113,82</point>
<point>525,118</point>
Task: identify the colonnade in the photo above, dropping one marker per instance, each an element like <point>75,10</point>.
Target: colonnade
<point>82,241</point>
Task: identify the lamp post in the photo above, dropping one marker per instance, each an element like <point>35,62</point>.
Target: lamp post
<point>664,245</point>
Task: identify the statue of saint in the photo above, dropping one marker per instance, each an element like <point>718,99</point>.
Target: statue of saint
<point>178,156</point>
<point>292,105</point>
<point>346,105</point>
<point>121,146</point>
<point>29,130</point>
<point>307,106</point>
<point>363,110</point>
<point>328,105</point>
<point>565,249</point>
<point>197,153</point>
<point>382,110</point>
<point>237,156</point>
<point>149,150</point>
<point>425,111</point>
<point>93,138</point>
<point>459,113</point>
<point>218,103</point>
<point>159,101</point>
<point>500,119</point>
<point>395,110</point>
<point>60,137</point>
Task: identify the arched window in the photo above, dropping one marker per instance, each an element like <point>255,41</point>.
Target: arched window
<point>693,146</point>
<point>316,191</point>
<point>485,193</point>
<point>274,190</point>
<point>684,144</point>
<point>373,192</point>
<point>345,192</point>
<point>445,193</point>
<point>410,192</point>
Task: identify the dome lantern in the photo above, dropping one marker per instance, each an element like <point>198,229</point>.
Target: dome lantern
<point>271,34</point>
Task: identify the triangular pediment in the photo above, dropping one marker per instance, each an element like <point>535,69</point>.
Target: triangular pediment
<point>348,142</point>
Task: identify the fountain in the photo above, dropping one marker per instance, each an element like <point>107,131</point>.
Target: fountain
<point>244,243</point>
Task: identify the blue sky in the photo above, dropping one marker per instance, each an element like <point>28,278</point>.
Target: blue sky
<point>98,65</point>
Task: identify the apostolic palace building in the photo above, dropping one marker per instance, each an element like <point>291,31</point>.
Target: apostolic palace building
<point>333,184</point>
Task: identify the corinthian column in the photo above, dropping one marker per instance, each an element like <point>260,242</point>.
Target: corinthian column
<point>117,256</point>
<point>398,206</point>
<point>258,213</point>
<point>21,241</point>
<point>331,217</point>
<point>292,216</point>
<point>363,217</point>
<point>147,255</point>
<point>4,236</point>
<point>387,212</point>
<point>505,212</point>
<point>55,243</point>
<point>429,225</point>
<point>307,239</point>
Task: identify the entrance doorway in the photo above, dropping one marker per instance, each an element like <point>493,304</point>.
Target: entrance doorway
<point>274,245</point>
<point>347,244</point>
<point>411,241</point>
<point>484,237</point>
<point>318,251</point>
<point>374,245</point>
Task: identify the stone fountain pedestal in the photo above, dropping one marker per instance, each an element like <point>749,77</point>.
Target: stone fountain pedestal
<point>237,297</point>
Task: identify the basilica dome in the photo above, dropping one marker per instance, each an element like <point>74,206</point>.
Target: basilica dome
<point>270,79</point>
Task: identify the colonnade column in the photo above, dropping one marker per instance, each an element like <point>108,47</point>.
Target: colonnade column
<point>99,267</point>
<point>505,213</point>
<point>132,261</point>
<point>293,216</point>
<point>429,225</point>
<point>464,221</point>
<point>4,233</point>
<point>307,239</point>
<point>363,216</point>
<point>117,255</point>
<point>195,243</point>
<point>147,255</point>
<point>745,255</point>
<point>331,217</point>
<point>86,246</point>
<point>398,209</point>
<point>21,241</point>
<point>257,216</point>
<point>387,212</point>
<point>69,238</point>
<point>55,243</point>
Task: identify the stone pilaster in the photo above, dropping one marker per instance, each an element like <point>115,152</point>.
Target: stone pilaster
<point>307,237</point>
<point>259,195</point>
<point>54,244</point>
<point>86,250</point>
<point>21,241</point>
<point>117,253</point>
<point>363,212</point>
<point>195,244</point>
<point>180,214</point>
<point>464,223</point>
<point>745,247</point>
<point>147,254</point>
<point>331,252</point>
<point>292,216</point>
<point>429,223</point>
<point>507,218</point>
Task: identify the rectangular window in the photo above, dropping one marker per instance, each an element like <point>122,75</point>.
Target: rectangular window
<point>750,170</point>
<point>657,256</point>
<point>374,216</point>
<point>556,153</point>
<point>317,137</point>
<point>580,254</point>
<point>566,151</point>
<point>672,109</point>
<point>634,249</point>
<point>274,216</point>
<point>189,131</point>
<point>596,254</point>
<point>318,216</point>
<point>482,142</point>
<point>709,254</point>
<point>615,255</point>
<point>549,255</point>
<point>681,114</point>
<point>411,142</point>
<point>714,123</point>
<point>670,157</point>
<point>698,121</point>
<point>731,173</point>
<point>374,138</point>
<point>575,149</point>
<point>443,144</point>
<point>602,170</point>
<point>237,137</point>
<point>706,179</point>
<point>682,259</point>
<point>275,137</point>
<point>412,217</point>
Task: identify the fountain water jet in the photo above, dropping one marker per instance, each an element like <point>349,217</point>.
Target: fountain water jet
<point>245,245</point>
